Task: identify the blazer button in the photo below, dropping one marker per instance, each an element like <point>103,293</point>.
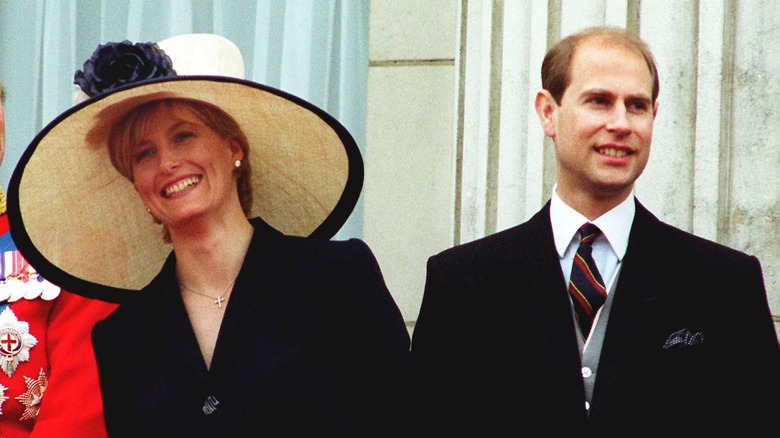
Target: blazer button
<point>586,372</point>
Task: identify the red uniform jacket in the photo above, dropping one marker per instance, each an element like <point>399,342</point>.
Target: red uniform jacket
<point>45,346</point>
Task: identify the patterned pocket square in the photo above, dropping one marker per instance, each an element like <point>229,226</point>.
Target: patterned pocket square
<point>684,338</point>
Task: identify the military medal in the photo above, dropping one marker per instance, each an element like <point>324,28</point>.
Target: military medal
<point>31,399</point>
<point>49,290</point>
<point>15,341</point>
<point>6,266</point>
<point>22,281</point>
<point>3,397</point>
<point>16,288</point>
<point>12,286</point>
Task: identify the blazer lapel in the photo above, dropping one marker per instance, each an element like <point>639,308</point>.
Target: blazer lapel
<point>544,281</point>
<point>635,304</point>
<point>173,326</point>
<point>256,282</point>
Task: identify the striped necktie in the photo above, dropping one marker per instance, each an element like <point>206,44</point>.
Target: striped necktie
<point>585,284</point>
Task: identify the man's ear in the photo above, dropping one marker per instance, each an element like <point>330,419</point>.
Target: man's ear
<point>545,108</point>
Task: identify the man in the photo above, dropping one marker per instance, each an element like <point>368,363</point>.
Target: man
<point>510,339</point>
<point>48,377</point>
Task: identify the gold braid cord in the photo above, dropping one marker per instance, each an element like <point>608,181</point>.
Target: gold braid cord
<point>2,202</point>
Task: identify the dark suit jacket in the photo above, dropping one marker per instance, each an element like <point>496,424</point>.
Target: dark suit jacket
<point>495,354</point>
<point>312,344</point>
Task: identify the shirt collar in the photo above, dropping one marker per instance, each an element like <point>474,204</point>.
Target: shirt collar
<point>614,224</point>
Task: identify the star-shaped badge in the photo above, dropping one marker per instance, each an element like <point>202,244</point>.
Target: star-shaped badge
<point>32,398</point>
<point>15,341</point>
<point>3,397</point>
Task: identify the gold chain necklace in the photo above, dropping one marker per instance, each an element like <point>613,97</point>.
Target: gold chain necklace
<point>219,299</point>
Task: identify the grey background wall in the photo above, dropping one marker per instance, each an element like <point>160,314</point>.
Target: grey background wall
<point>454,150</point>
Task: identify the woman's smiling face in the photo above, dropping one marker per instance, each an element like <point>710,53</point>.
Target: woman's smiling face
<point>181,168</point>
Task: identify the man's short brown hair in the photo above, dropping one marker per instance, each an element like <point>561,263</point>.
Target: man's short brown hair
<point>556,67</point>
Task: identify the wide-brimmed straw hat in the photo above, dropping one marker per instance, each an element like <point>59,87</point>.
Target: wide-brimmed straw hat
<point>82,225</point>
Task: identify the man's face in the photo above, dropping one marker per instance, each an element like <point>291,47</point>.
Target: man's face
<point>603,127</point>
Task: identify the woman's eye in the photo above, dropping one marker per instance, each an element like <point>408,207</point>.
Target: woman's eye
<point>143,154</point>
<point>183,135</point>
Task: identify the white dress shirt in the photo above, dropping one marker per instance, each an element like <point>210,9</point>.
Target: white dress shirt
<point>608,249</point>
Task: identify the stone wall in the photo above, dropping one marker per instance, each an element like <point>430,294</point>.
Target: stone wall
<point>454,150</point>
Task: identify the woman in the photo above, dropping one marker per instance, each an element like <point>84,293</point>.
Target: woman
<point>243,327</point>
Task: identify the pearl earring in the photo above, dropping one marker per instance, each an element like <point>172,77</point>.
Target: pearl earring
<point>238,163</point>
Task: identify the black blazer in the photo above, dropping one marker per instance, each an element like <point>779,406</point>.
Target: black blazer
<point>494,349</point>
<point>312,344</point>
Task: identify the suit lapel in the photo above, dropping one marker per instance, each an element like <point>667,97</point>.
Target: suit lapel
<point>544,281</point>
<point>635,304</point>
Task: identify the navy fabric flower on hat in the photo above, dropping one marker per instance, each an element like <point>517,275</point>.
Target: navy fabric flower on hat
<point>113,65</point>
